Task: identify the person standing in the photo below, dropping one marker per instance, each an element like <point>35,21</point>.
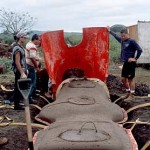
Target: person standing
<point>33,60</point>
<point>19,66</point>
<point>130,52</point>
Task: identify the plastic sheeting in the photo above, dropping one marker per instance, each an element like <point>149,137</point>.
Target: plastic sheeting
<point>91,55</point>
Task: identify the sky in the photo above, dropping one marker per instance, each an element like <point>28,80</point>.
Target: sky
<point>73,15</point>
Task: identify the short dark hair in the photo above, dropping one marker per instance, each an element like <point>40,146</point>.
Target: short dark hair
<point>35,37</point>
<point>125,30</point>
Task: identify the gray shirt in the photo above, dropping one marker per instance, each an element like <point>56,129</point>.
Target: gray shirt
<point>18,48</point>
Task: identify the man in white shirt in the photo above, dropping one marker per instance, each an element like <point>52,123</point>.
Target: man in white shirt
<point>32,60</point>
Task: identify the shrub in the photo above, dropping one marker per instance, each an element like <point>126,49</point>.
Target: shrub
<point>114,50</point>
<point>7,62</point>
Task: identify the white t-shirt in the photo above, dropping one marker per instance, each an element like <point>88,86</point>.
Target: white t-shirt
<point>31,52</point>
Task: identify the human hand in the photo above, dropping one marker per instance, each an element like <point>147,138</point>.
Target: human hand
<point>23,76</point>
<point>27,72</point>
<point>108,28</point>
<point>131,60</point>
<point>37,69</point>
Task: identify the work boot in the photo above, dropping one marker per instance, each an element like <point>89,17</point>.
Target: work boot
<point>3,141</point>
<point>130,97</point>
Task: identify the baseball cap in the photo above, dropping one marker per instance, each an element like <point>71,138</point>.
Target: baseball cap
<point>22,34</point>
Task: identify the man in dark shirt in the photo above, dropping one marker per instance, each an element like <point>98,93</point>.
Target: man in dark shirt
<point>130,52</point>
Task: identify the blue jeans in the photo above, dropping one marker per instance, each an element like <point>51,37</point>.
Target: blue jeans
<point>32,76</point>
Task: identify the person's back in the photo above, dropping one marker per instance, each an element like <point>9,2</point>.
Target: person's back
<point>32,52</point>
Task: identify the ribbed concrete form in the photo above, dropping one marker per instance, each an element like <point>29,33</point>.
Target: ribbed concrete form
<point>80,135</point>
<point>81,96</point>
<point>83,117</point>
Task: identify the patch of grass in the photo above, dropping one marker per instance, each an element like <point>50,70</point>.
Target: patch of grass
<point>7,63</point>
<point>114,51</point>
<point>73,39</point>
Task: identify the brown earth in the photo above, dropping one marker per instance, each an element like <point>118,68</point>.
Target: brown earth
<point>17,135</point>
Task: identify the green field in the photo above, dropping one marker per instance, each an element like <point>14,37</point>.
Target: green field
<point>73,39</point>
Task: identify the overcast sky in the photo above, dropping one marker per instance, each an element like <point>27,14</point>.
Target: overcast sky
<point>73,15</point>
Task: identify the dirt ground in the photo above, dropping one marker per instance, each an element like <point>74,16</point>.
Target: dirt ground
<point>17,135</point>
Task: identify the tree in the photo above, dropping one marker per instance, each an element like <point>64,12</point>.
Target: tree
<point>117,27</point>
<point>13,22</point>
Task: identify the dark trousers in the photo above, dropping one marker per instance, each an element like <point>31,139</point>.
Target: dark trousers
<point>17,95</point>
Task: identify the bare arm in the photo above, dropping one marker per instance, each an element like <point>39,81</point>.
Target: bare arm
<point>116,36</point>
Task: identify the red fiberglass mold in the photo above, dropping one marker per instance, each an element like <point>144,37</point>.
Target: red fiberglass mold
<point>91,55</point>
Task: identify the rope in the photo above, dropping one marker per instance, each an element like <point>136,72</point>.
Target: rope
<point>36,106</point>
<point>147,144</point>
<point>11,122</point>
<point>138,106</point>
<point>22,124</point>
<point>43,98</point>
<point>134,124</point>
<point>4,89</point>
<point>138,122</point>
